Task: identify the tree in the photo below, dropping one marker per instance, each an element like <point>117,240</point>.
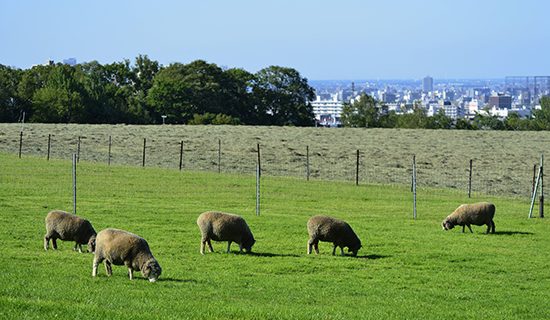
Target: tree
<point>179,91</point>
<point>281,97</point>
<point>10,103</point>
<point>542,117</point>
<point>363,112</point>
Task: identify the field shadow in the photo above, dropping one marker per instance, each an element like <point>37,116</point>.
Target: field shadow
<point>511,233</point>
<point>268,254</point>
<point>177,280</point>
<point>373,256</point>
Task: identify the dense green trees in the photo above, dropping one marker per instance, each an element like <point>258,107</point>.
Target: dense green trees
<point>144,91</point>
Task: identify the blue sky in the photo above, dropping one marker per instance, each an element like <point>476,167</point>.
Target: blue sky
<point>344,39</point>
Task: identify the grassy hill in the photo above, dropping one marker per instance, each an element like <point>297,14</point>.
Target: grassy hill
<point>406,269</point>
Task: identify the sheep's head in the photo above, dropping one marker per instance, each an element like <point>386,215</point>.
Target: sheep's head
<point>91,244</point>
<point>447,225</point>
<point>354,249</point>
<point>151,270</point>
<point>248,243</point>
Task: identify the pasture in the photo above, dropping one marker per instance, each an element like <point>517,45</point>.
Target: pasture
<point>406,269</point>
<point>502,161</point>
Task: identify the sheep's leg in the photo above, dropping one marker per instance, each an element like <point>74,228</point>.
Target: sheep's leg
<point>54,243</point>
<point>228,246</point>
<point>97,261</point>
<point>209,242</point>
<point>108,268</point>
<point>488,228</point>
<point>130,273</point>
<point>342,251</point>
<point>493,226</point>
<point>77,246</point>
<point>470,228</point>
<point>46,242</point>
<point>316,247</point>
<point>202,247</point>
<point>334,250</point>
<point>309,245</point>
<point>464,226</point>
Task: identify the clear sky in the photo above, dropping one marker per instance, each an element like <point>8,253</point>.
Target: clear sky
<point>322,39</point>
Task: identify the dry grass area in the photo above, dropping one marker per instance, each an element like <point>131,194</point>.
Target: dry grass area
<point>503,161</point>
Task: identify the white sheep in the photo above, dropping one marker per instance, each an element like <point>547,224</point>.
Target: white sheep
<point>121,247</point>
<point>466,214</point>
<point>220,226</point>
<point>68,227</point>
<point>339,232</point>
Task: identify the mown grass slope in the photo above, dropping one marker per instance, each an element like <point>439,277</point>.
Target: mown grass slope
<point>406,269</point>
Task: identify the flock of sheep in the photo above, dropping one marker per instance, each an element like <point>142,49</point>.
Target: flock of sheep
<point>121,247</point>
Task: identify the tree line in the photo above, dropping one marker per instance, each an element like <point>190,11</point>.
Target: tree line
<point>145,92</point>
<point>368,112</point>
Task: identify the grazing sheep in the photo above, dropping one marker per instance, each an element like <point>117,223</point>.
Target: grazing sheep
<point>69,227</point>
<point>220,226</point>
<point>466,214</point>
<point>121,247</point>
<point>339,232</point>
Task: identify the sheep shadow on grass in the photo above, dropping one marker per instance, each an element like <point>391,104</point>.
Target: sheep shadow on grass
<point>512,233</point>
<point>269,255</point>
<point>373,256</point>
<point>176,280</point>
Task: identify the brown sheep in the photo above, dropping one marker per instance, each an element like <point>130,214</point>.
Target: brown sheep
<point>69,227</point>
<point>121,247</point>
<point>466,214</point>
<point>220,226</point>
<point>339,232</point>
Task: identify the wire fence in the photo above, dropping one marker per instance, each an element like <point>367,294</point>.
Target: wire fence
<point>284,158</point>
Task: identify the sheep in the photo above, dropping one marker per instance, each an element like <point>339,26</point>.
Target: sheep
<point>339,232</point>
<point>466,214</point>
<point>69,227</point>
<point>121,247</point>
<point>220,226</point>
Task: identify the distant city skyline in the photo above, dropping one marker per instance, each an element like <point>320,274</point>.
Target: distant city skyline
<point>350,39</point>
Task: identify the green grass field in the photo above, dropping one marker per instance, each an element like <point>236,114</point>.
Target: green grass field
<point>406,269</point>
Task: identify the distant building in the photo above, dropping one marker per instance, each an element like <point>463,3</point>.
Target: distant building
<point>70,61</point>
<point>428,84</point>
<point>500,101</point>
<point>327,112</point>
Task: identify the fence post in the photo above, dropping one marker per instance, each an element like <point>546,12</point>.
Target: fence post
<point>534,196</point>
<point>357,169</point>
<point>534,177</point>
<point>258,173</point>
<point>143,158</point>
<point>541,200</point>
<point>109,159</point>
<point>470,180</point>
<point>74,183</point>
<point>78,150</point>
<point>307,163</point>
<point>181,154</point>
<point>20,142</point>
<point>414,186</point>
<point>259,162</point>
<point>219,155</point>
<point>49,146</point>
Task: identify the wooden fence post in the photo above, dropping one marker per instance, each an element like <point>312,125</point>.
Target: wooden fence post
<point>219,155</point>
<point>541,200</point>
<point>470,180</point>
<point>307,163</point>
<point>49,146</point>
<point>143,158</point>
<point>74,182</point>
<point>414,186</point>
<point>78,150</point>
<point>20,142</point>
<point>258,174</point>
<point>357,169</point>
<point>110,144</point>
<point>181,154</point>
<point>534,177</point>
